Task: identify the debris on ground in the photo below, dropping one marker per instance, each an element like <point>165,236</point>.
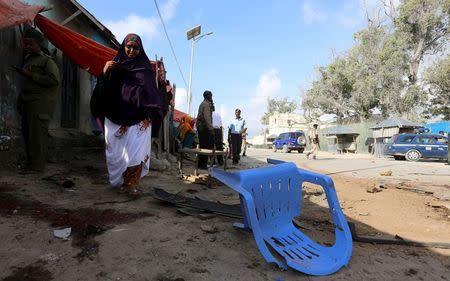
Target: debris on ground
<point>208,228</point>
<point>196,213</point>
<point>49,258</point>
<point>411,271</point>
<point>62,233</point>
<point>233,211</point>
<point>191,190</point>
<point>373,189</point>
<point>61,180</point>
<point>386,173</point>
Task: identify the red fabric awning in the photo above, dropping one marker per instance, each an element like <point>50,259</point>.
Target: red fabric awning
<point>82,50</point>
<point>178,115</point>
<point>13,12</point>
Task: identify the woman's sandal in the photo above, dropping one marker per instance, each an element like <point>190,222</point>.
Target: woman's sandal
<point>134,192</point>
<point>123,189</point>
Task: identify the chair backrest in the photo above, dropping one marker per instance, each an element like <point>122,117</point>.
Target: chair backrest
<point>276,191</point>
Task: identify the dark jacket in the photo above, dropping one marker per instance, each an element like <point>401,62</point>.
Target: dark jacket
<point>43,84</point>
<point>204,116</point>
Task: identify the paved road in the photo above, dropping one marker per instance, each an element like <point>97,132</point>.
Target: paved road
<point>428,175</point>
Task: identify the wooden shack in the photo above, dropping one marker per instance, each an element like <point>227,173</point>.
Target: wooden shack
<point>341,139</point>
<point>384,130</point>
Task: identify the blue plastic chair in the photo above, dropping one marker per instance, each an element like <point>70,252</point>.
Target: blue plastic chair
<point>270,198</point>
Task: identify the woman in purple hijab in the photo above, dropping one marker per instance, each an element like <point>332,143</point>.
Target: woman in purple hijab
<point>132,106</point>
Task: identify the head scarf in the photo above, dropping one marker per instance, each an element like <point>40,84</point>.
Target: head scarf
<point>132,90</point>
<point>185,127</point>
<point>132,64</point>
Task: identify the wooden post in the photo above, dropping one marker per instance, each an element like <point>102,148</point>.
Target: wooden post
<point>166,125</point>
<point>196,162</point>
<point>180,160</point>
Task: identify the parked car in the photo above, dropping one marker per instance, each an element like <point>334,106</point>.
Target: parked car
<point>290,141</point>
<point>413,147</point>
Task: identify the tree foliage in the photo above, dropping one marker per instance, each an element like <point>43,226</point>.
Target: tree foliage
<point>380,70</point>
<point>283,105</point>
<point>425,26</point>
<point>437,78</point>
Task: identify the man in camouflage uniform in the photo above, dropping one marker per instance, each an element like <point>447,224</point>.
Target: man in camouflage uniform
<point>314,140</point>
<point>39,79</point>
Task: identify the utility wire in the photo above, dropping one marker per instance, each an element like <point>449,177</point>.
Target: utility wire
<point>170,43</point>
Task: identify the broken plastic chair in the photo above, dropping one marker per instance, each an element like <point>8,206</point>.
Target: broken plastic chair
<point>270,199</point>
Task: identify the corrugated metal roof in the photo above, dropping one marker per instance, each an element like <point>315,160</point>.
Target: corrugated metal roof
<point>106,32</point>
<point>339,130</point>
<point>396,122</point>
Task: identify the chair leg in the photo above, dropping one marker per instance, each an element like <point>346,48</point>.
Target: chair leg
<point>244,225</point>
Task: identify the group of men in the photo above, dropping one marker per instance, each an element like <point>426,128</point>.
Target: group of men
<point>210,131</point>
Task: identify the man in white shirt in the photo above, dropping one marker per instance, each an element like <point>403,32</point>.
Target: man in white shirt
<point>218,134</point>
<point>236,129</point>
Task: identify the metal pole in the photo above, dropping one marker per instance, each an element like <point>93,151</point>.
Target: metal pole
<point>189,101</point>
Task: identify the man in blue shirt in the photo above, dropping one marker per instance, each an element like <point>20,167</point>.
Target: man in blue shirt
<point>235,132</point>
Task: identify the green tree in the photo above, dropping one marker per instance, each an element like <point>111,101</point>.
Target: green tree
<point>381,69</point>
<point>437,77</point>
<point>425,25</point>
<point>331,93</point>
<point>283,105</point>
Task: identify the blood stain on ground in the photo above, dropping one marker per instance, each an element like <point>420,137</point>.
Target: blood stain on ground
<point>85,222</point>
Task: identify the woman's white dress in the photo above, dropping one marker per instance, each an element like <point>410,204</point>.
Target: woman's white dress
<point>126,148</point>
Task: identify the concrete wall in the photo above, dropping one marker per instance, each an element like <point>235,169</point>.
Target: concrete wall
<point>11,54</point>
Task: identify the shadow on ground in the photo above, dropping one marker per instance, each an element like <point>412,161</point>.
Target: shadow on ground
<point>115,238</point>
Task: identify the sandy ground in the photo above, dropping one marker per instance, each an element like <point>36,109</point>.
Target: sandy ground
<point>114,238</point>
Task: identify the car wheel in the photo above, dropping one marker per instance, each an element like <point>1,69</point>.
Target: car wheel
<point>413,155</point>
<point>285,149</point>
<point>397,157</point>
<point>301,150</point>
<point>274,148</point>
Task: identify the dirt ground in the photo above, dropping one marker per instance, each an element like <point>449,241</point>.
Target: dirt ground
<point>116,238</point>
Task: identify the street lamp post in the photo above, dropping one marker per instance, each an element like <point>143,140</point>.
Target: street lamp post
<point>194,35</point>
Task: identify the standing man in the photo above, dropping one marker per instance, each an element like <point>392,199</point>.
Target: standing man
<point>313,136</point>
<point>39,79</point>
<point>218,134</point>
<point>236,129</point>
<point>205,127</point>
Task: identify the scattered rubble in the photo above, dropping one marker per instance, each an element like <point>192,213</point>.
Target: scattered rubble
<point>62,233</point>
<point>208,228</point>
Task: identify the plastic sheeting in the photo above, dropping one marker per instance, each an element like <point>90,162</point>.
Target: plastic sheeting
<point>13,12</point>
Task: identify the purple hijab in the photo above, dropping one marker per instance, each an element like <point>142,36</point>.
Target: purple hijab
<point>131,90</point>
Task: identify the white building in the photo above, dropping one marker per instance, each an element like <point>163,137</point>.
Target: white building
<point>280,123</point>
<point>286,122</point>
